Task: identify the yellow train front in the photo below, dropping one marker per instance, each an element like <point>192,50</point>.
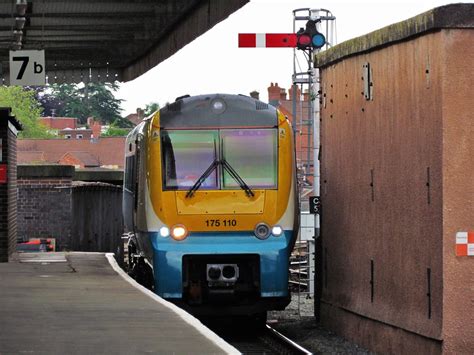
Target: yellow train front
<point>210,195</point>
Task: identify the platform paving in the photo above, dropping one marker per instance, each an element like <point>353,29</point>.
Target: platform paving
<point>76,303</point>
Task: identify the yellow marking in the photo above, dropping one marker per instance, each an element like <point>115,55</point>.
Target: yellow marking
<point>268,206</point>
<point>220,202</point>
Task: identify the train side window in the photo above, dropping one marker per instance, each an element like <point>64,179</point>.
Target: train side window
<point>169,163</point>
<point>129,182</point>
<point>137,171</point>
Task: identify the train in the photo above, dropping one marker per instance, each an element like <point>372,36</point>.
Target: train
<point>211,205</point>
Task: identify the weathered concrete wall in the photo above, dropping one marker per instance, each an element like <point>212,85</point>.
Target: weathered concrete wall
<point>394,191</point>
<point>114,177</point>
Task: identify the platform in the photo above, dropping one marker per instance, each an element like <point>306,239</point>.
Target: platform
<point>83,303</point>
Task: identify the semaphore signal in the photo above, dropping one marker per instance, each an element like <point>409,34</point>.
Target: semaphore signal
<point>305,38</point>
<point>267,40</point>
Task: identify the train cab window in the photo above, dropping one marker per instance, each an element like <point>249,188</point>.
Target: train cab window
<point>252,153</point>
<point>186,155</point>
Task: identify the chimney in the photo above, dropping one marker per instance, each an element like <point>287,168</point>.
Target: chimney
<point>306,95</point>
<point>96,128</point>
<point>282,94</point>
<point>255,94</point>
<point>140,114</point>
<point>298,93</point>
<point>273,92</point>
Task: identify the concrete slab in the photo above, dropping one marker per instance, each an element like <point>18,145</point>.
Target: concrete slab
<point>83,305</point>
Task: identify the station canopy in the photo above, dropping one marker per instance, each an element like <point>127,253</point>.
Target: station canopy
<point>104,40</point>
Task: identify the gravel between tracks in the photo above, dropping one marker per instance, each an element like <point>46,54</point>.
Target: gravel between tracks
<point>297,322</point>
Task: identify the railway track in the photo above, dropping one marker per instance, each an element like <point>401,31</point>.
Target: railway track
<point>264,340</point>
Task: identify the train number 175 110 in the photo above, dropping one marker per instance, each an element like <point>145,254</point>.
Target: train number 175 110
<point>221,222</point>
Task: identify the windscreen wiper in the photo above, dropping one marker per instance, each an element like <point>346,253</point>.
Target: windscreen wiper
<point>205,174</point>
<point>228,168</point>
<point>237,178</point>
<point>202,178</point>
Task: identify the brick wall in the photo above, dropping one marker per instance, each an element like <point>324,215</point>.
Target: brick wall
<point>3,198</point>
<point>45,209</point>
<point>85,216</point>
<point>9,127</point>
<point>12,192</point>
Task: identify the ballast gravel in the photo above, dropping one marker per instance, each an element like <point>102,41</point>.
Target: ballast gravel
<point>298,323</point>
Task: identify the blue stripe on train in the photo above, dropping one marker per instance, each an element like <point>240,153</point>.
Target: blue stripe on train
<point>168,253</point>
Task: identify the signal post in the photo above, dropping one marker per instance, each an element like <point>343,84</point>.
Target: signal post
<point>307,40</point>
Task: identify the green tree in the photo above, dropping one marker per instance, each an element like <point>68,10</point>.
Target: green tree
<point>26,109</point>
<point>151,107</point>
<point>86,100</point>
<point>114,131</point>
<point>101,102</point>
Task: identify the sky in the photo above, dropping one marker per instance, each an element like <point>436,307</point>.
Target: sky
<point>213,63</point>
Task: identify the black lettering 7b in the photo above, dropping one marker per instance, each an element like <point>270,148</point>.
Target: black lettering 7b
<point>25,61</point>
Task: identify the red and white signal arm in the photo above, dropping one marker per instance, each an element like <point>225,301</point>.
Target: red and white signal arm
<point>267,40</point>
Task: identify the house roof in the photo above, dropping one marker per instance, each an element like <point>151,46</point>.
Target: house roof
<point>77,130</point>
<point>134,118</point>
<point>59,122</point>
<point>87,158</point>
<point>31,157</point>
<point>109,151</point>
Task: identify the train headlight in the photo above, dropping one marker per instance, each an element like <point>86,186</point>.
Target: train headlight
<point>179,232</point>
<point>164,232</point>
<point>262,231</point>
<point>218,106</point>
<point>277,231</point>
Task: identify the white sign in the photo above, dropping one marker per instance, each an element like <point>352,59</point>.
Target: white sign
<point>27,68</point>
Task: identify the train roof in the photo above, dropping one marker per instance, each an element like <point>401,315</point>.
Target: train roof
<point>217,111</point>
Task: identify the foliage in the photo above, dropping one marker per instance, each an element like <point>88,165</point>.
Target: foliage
<point>114,131</point>
<point>151,107</point>
<point>123,123</point>
<point>26,109</point>
<point>49,103</point>
<point>82,101</point>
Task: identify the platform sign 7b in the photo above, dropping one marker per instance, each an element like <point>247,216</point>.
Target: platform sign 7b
<point>27,68</point>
